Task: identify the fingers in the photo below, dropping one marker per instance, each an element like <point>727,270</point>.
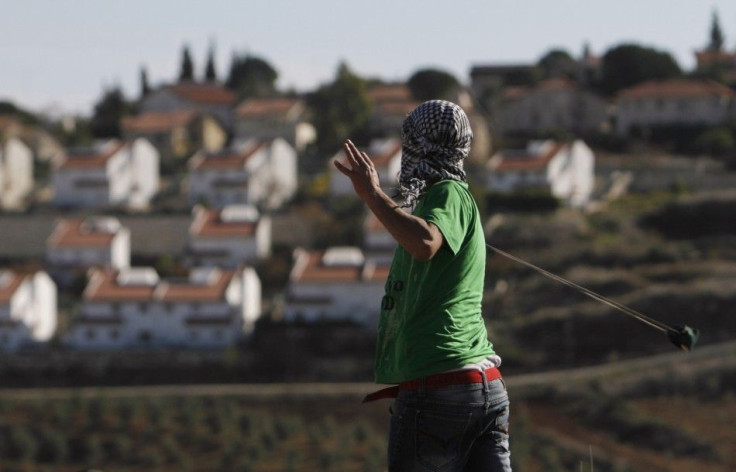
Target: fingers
<point>342,168</point>
<point>352,154</point>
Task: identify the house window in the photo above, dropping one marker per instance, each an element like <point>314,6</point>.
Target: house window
<point>145,336</point>
<point>114,334</point>
<point>90,333</point>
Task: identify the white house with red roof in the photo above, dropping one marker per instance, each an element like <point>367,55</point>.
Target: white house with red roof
<point>675,102</point>
<point>378,243</point>
<point>233,236</point>
<point>262,173</point>
<point>28,312</point>
<point>109,174</point>
<point>564,169</point>
<point>134,308</point>
<point>554,104</point>
<point>386,156</point>
<point>339,283</point>
<point>207,97</point>
<point>177,134</point>
<point>76,244</point>
<point>390,103</point>
<point>280,117</point>
<point>16,173</point>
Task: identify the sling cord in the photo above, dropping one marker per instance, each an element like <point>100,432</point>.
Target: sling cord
<point>623,308</point>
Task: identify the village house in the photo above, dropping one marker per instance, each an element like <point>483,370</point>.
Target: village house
<point>390,103</point>
<point>386,156</point>
<point>554,104</point>
<point>675,102</point>
<point>210,98</point>
<point>28,313</point>
<point>110,174</point>
<point>269,118</point>
<point>16,173</point>
<point>76,244</point>
<point>44,146</point>
<point>176,134</point>
<point>563,169</point>
<point>338,284</point>
<point>378,244</point>
<point>236,235</point>
<point>262,173</point>
<point>134,308</point>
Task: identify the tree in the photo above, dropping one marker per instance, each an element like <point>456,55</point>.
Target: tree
<point>145,87</point>
<point>251,76</point>
<point>186,72</point>
<point>558,63</point>
<point>716,35</point>
<point>341,109</point>
<point>429,84</point>
<point>108,113</point>
<point>210,74</point>
<point>630,64</point>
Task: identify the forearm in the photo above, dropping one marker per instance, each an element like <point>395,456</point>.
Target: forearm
<point>420,239</point>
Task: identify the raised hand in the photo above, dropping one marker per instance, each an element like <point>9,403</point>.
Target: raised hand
<point>361,171</point>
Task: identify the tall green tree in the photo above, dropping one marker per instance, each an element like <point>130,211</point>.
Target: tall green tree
<point>558,63</point>
<point>108,113</point>
<point>341,109</point>
<point>629,64</point>
<point>716,35</point>
<point>251,76</point>
<point>210,73</point>
<point>145,87</point>
<point>186,71</point>
<point>429,84</point>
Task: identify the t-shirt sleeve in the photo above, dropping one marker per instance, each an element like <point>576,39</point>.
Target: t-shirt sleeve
<point>443,207</point>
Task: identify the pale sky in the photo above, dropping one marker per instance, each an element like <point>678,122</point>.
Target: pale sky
<point>58,55</point>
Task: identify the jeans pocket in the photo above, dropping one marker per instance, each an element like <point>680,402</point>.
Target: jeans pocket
<point>439,437</point>
<point>501,427</point>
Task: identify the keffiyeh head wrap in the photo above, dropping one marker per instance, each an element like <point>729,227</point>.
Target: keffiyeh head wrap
<point>436,139</point>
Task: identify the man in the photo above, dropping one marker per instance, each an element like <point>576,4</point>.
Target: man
<point>451,408</point>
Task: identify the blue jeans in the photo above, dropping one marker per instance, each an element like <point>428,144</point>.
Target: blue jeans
<point>451,429</point>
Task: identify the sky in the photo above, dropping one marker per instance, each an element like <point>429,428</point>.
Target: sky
<point>58,56</point>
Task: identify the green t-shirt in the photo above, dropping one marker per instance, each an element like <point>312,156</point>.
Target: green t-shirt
<point>431,313</point>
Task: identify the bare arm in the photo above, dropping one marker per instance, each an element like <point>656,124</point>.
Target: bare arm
<point>421,239</point>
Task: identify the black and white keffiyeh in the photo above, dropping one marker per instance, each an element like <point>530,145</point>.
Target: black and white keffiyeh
<point>436,138</point>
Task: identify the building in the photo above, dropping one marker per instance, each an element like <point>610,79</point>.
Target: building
<point>28,313</point>
<point>378,244</point>
<point>553,104</point>
<point>386,156</point>
<point>44,146</point>
<point>76,244</point>
<point>16,173</point>
<point>257,172</point>
<point>390,103</point>
<point>210,98</point>
<point>338,284</point>
<point>110,174</point>
<point>177,134</point>
<point>134,308</point>
<point>674,102</point>
<point>236,235</point>
<point>269,118</point>
<point>563,169</point>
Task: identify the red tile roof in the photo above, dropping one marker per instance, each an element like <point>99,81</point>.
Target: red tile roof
<point>209,224</point>
<point>207,94</point>
<point>104,286</point>
<point>191,292</point>
<point>676,88</point>
<point>266,107</point>
<point>76,232</point>
<point>555,84</point>
<point>9,284</point>
<point>397,92</point>
<point>311,268</point>
<point>228,159</point>
<point>158,121</point>
<point>91,158</point>
<point>521,161</point>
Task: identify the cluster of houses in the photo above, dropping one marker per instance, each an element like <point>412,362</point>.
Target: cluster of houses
<point>241,162</point>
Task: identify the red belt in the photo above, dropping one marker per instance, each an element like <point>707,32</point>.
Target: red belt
<point>458,377</point>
